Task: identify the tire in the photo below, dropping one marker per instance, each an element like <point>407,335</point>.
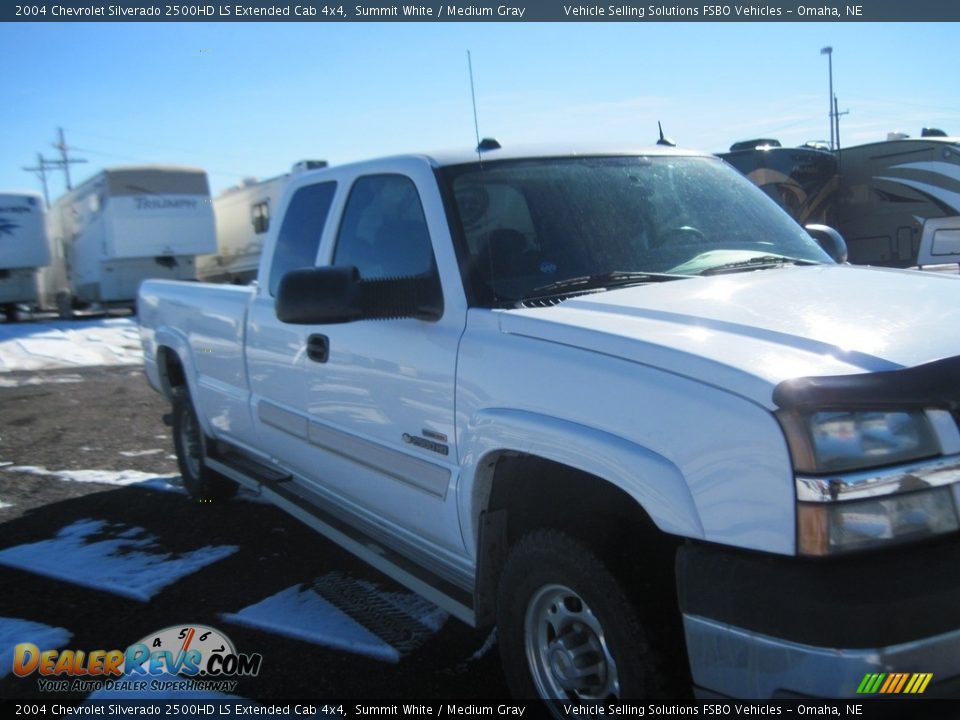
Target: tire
<point>64,302</point>
<point>202,483</point>
<point>10,312</point>
<point>568,631</point>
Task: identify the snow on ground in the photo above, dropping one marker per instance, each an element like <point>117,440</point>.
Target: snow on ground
<point>6,382</point>
<point>169,483</point>
<point>131,563</point>
<point>15,630</point>
<point>345,613</point>
<point>303,614</point>
<point>68,344</point>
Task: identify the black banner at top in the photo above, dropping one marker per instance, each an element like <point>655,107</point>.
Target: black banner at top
<point>481,11</point>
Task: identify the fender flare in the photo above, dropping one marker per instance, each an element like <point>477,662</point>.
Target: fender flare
<point>653,481</point>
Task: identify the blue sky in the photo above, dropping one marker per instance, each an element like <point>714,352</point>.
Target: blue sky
<point>249,99</point>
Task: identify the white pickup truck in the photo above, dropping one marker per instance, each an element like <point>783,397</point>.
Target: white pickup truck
<point>615,402</point>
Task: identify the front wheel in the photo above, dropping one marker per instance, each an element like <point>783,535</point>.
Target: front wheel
<point>203,484</point>
<point>567,630</point>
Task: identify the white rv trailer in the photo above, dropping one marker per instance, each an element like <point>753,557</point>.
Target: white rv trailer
<point>23,249</point>
<point>243,217</point>
<point>122,226</point>
<point>899,203</point>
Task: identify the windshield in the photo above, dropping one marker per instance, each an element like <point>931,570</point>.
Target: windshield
<point>532,224</point>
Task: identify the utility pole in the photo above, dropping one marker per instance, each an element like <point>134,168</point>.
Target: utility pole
<point>41,172</point>
<point>65,160</point>
<point>828,51</point>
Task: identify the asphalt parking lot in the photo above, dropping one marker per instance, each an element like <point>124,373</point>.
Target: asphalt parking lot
<point>99,545</point>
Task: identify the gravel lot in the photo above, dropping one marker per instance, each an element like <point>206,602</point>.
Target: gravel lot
<point>55,424</point>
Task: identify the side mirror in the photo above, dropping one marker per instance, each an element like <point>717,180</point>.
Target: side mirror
<point>328,295</point>
<point>830,240</point>
<point>319,296</point>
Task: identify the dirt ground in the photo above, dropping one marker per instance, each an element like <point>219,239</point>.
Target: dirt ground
<point>87,419</point>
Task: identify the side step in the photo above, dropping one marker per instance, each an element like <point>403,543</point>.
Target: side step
<point>277,488</point>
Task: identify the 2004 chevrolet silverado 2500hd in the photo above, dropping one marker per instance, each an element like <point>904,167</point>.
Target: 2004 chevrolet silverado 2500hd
<point>616,403</point>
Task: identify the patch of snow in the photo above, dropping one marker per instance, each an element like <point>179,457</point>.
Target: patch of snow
<point>14,631</point>
<point>106,477</point>
<point>130,564</point>
<point>486,647</point>
<point>5,504</point>
<point>64,344</point>
<point>139,453</point>
<point>40,380</point>
<point>303,614</point>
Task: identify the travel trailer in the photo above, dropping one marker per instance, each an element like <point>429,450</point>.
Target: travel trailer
<point>802,180</point>
<point>23,249</point>
<point>122,226</point>
<point>242,216</point>
<point>899,203</point>
<point>896,202</point>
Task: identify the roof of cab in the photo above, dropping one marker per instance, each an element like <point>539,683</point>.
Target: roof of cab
<point>459,157</point>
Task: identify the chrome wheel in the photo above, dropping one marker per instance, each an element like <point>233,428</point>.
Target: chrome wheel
<point>566,647</point>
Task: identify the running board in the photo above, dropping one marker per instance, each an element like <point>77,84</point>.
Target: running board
<point>276,488</point>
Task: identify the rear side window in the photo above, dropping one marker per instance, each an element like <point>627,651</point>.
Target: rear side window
<point>384,232</point>
<point>299,237</point>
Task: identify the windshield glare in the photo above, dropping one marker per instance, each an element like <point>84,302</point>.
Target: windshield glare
<point>533,223</point>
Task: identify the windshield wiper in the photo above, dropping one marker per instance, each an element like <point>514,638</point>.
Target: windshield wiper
<point>601,281</point>
<point>760,262</point>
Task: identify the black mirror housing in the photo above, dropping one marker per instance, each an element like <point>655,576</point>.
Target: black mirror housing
<point>319,296</point>
<point>329,295</point>
<point>830,241</point>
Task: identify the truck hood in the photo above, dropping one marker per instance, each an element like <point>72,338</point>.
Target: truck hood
<point>746,332</point>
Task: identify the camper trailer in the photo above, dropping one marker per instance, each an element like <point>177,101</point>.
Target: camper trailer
<point>899,203</point>
<point>242,216</point>
<point>122,226</point>
<point>803,180</point>
<point>23,249</point>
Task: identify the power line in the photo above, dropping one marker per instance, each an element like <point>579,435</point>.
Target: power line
<point>65,159</point>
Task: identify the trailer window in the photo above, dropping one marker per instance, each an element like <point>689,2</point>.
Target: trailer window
<point>260,217</point>
<point>299,237</point>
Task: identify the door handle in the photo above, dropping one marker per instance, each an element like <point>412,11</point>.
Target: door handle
<point>318,348</point>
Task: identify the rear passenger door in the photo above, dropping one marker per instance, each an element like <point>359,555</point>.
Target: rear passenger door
<point>275,351</point>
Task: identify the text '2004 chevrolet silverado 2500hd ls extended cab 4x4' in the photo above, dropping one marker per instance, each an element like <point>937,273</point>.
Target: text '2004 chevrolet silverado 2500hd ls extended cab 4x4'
<point>617,403</point>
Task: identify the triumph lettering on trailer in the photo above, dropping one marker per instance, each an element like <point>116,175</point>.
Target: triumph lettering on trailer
<point>143,203</point>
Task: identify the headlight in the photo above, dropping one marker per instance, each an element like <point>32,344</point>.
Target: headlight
<point>836,441</point>
<point>826,528</point>
<point>844,505</point>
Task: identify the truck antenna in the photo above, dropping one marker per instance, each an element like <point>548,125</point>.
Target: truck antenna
<point>473,98</point>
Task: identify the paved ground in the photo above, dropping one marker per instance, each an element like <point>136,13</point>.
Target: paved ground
<point>61,423</point>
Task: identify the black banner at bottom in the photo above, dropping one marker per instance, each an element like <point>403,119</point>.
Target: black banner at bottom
<point>865,709</point>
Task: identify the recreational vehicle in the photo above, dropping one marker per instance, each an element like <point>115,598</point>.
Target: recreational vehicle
<point>23,249</point>
<point>122,226</point>
<point>896,202</point>
<point>899,203</point>
<point>803,180</point>
<point>242,216</point>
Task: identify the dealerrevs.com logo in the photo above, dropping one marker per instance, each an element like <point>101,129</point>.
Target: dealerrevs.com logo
<point>177,658</point>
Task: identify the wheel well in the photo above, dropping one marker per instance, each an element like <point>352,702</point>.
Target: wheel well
<point>528,493</point>
<point>172,375</point>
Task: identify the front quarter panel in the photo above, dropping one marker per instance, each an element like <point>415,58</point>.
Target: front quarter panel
<point>703,462</point>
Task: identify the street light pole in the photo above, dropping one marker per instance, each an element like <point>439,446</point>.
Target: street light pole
<point>828,51</point>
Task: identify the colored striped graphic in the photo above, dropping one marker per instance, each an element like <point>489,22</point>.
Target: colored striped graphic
<point>894,683</point>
